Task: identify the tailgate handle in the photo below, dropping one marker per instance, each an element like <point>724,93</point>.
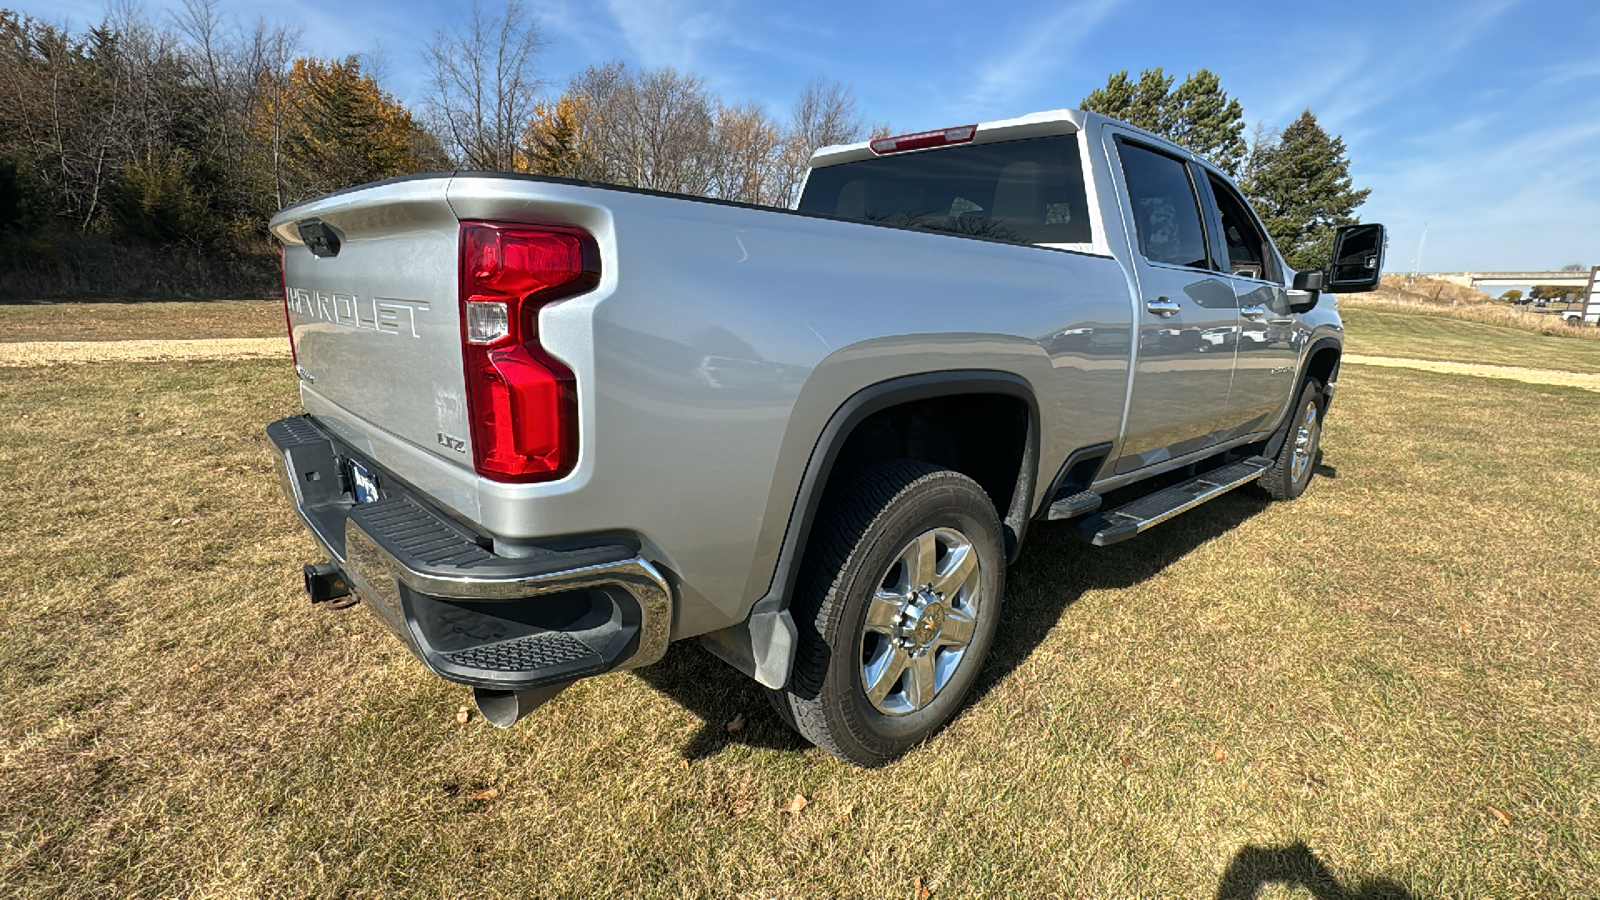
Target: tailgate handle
<point>319,238</point>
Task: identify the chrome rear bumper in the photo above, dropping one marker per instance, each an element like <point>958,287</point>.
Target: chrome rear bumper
<point>562,612</point>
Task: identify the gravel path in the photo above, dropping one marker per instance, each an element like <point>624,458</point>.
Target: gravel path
<point>51,353</point>
<point>1513,373</point>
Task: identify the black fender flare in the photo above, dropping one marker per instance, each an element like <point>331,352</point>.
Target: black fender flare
<point>1281,433</point>
<point>763,645</point>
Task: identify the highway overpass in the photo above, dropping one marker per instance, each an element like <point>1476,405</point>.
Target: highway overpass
<point>1511,279</point>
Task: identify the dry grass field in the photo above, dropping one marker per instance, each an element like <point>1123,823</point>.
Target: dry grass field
<point>1399,295</point>
<point>1384,689</point>
<point>150,320</point>
<point>1425,334</point>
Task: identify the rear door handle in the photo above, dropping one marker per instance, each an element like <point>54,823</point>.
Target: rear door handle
<point>1163,307</point>
<point>1253,312</point>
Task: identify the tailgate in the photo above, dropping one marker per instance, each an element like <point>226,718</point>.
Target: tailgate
<point>375,318</point>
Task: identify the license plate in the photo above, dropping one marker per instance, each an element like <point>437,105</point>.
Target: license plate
<point>363,484</point>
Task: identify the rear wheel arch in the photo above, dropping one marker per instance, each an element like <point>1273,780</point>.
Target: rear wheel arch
<point>1008,473</point>
<point>869,425</point>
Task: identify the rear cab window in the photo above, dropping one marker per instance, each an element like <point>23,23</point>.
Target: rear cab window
<point>1025,191</point>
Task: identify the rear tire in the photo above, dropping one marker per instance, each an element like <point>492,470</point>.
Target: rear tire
<point>896,606</point>
<point>1293,467</point>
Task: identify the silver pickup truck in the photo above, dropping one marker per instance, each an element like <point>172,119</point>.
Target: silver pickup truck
<point>553,426</point>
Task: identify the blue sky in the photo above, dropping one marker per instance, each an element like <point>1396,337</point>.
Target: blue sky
<point>1480,120</point>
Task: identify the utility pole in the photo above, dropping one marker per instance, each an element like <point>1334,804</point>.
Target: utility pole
<point>1416,264</point>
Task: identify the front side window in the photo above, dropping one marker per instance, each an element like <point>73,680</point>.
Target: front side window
<point>1247,249</point>
<point>1166,212</point>
<point>1027,192</point>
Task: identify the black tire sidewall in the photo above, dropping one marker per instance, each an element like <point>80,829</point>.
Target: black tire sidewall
<point>1310,395</point>
<point>944,500</point>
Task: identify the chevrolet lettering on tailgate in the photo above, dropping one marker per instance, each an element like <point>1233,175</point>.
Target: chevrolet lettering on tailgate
<point>386,314</point>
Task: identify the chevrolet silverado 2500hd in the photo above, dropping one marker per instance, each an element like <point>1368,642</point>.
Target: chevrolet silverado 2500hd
<point>553,426</point>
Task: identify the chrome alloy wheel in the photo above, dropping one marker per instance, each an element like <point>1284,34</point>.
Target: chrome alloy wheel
<point>920,621</point>
<point>1305,443</point>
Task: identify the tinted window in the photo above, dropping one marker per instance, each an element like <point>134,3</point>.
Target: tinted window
<point>1166,213</point>
<point>1247,252</point>
<point>1030,192</point>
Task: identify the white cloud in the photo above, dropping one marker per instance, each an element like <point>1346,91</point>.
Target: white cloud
<point>1493,199</point>
<point>1370,69</point>
<point>668,32</point>
<point>1028,61</point>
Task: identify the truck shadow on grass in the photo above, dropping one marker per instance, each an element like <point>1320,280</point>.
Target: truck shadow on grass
<point>1054,570</point>
<point>1253,868</point>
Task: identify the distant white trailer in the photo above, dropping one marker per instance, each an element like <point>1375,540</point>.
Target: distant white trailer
<point>1588,313</point>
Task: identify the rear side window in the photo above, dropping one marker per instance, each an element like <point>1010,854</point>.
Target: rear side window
<point>1166,212</point>
<point>1027,192</point>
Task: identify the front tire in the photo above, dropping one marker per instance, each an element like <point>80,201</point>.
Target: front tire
<point>1295,463</point>
<point>896,605</point>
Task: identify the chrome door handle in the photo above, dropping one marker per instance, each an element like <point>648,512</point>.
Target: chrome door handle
<point>1253,312</point>
<point>1163,307</point>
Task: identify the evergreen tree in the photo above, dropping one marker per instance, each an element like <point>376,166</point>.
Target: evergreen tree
<point>340,129</point>
<point>1199,114</point>
<point>550,144</point>
<point>1202,117</point>
<point>1141,103</point>
<point>1302,190</point>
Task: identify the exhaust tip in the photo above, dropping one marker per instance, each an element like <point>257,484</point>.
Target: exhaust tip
<point>503,709</point>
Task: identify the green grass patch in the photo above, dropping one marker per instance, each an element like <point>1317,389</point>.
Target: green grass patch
<point>1350,689</point>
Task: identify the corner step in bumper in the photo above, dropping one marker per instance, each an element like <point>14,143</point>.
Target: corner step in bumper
<point>1114,526</point>
<point>545,617</point>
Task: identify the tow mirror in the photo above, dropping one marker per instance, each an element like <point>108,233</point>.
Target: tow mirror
<point>1309,286</point>
<point>1357,258</point>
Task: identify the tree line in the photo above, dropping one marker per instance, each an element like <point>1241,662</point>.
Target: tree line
<point>145,154</point>
<point>1297,178</point>
<point>144,150</point>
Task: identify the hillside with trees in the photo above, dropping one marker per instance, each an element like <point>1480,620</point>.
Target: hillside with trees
<point>143,157</point>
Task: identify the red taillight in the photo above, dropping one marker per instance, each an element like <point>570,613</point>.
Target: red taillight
<point>521,400</point>
<point>922,139</point>
<point>283,282</point>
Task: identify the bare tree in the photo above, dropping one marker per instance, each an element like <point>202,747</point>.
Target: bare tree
<point>215,51</point>
<point>241,75</point>
<point>661,129</point>
<point>1262,141</point>
<point>275,50</point>
<point>654,130</point>
<point>746,161</point>
<point>483,86</point>
<point>824,114</point>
